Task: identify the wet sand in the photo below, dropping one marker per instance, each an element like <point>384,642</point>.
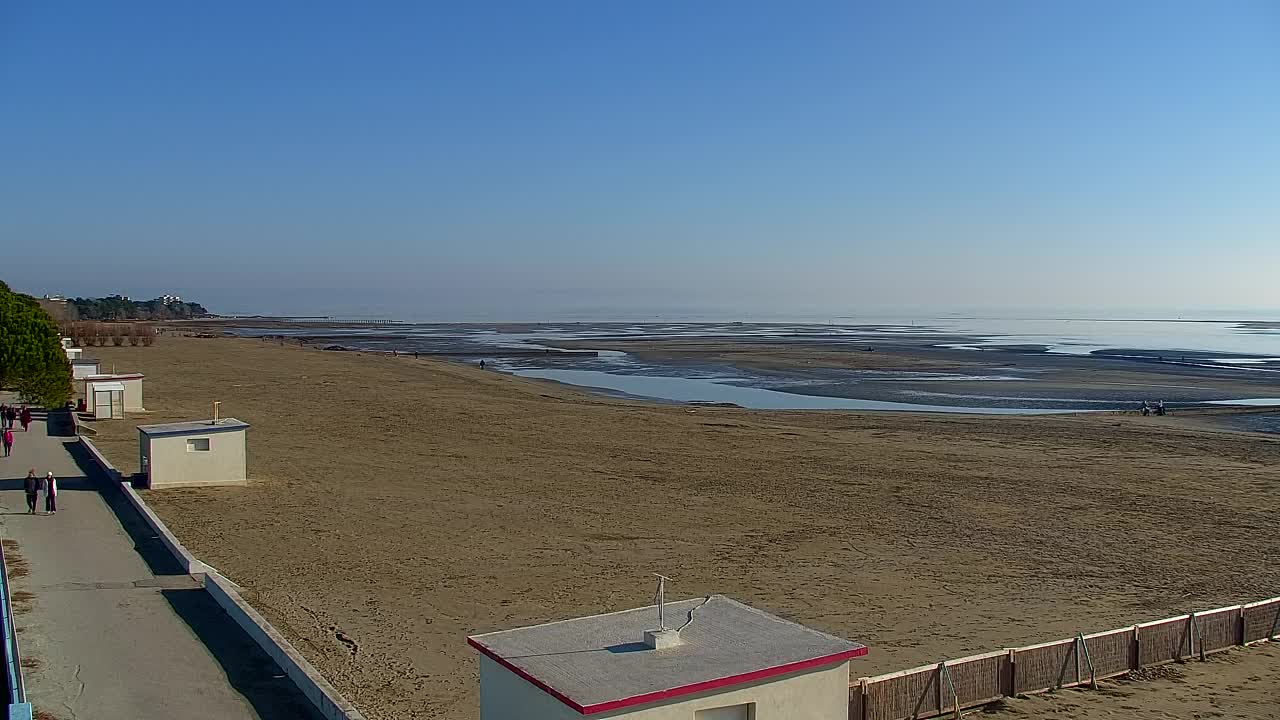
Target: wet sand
<point>988,378</point>
<point>408,503</point>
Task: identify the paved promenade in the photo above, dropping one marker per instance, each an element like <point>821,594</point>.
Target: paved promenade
<point>112,629</point>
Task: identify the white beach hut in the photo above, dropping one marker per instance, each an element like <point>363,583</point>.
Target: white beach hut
<point>83,368</point>
<point>721,660</point>
<point>128,385</point>
<point>105,399</point>
<point>202,452</point>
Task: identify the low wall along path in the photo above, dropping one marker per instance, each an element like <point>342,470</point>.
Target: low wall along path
<point>328,702</point>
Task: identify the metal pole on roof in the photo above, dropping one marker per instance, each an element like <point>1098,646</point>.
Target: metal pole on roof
<point>216,403</point>
<point>662,598</point>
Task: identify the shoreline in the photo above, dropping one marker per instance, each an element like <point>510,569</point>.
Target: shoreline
<point>885,372</point>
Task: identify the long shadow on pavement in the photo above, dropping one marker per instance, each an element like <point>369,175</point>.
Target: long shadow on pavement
<point>249,670</point>
<point>145,541</point>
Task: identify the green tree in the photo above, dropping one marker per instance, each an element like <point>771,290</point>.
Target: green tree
<point>32,359</point>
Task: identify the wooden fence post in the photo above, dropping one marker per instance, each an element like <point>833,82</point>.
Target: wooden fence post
<point>1076,646</point>
<point>1013,673</point>
<point>941,665</point>
<point>863,705</point>
<point>1137,649</point>
<point>955,698</point>
<point>1191,637</point>
<point>1093,676</point>
<point>1199,630</point>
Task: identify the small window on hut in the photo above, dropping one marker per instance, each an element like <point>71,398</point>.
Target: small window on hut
<point>197,444</point>
<point>731,712</point>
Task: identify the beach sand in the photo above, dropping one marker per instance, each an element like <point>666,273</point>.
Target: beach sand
<point>406,504</point>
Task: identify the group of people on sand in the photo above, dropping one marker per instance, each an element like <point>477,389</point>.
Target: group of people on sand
<point>1146,408</point>
<point>10,414</point>
<point>48,485</point>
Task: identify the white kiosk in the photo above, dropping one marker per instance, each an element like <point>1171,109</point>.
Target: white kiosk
<point>85,368</point>
<point>202,452</point>
<point>707,658</point>
<point>122,390</point>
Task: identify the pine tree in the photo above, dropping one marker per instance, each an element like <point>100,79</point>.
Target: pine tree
<point>32,359</point>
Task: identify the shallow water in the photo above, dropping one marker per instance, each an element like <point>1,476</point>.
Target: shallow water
<point>702,390</point>
<point>1249,402</point>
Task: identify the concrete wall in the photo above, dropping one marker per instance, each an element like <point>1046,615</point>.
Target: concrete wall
<point>322,695</point>
<point>821,694</point>
<point>169,463</point>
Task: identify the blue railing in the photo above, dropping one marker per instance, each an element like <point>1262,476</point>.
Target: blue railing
<point>15,691</point>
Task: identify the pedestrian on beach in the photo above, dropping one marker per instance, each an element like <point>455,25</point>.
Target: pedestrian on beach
<point>51,494</point>
<point>481,364</point>
<point>1146,409</point>
<point>31,485</point>
<point>25,417</point>
<point>7,439</point>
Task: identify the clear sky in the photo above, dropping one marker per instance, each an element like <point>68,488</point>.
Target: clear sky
<point>541,159</point>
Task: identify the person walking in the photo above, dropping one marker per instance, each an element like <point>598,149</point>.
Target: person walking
<point>25,418</point>
<point>51,494</point>
<point>4,415</point>
<point>32,486</point>
<point>12,417</point>
<point>7,439</point>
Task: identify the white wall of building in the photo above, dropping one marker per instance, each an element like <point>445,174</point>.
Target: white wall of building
<point>180,460</point>
<point>821,694</point>
<point>133,395</point>
<point>507,696</point>
<point>132,391</point>
<point>80,372</point>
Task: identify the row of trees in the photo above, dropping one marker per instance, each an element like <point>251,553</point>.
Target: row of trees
<point>32,359</point>
<point>118,307</point>
<point>89,334</point>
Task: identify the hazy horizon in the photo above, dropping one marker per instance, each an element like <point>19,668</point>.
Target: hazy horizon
<point>567,159</point>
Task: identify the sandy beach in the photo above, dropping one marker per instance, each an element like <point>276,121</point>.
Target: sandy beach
<point>406,503</point>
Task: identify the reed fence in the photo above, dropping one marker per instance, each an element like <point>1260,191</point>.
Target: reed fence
<point>952,686</point>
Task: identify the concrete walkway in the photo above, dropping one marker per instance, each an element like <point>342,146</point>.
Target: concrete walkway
<point>111,628</point>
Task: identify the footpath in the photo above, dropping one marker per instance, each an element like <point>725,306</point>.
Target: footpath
<point>109,627</point>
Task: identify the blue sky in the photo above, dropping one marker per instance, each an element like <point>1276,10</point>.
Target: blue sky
<point>522,160</point>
